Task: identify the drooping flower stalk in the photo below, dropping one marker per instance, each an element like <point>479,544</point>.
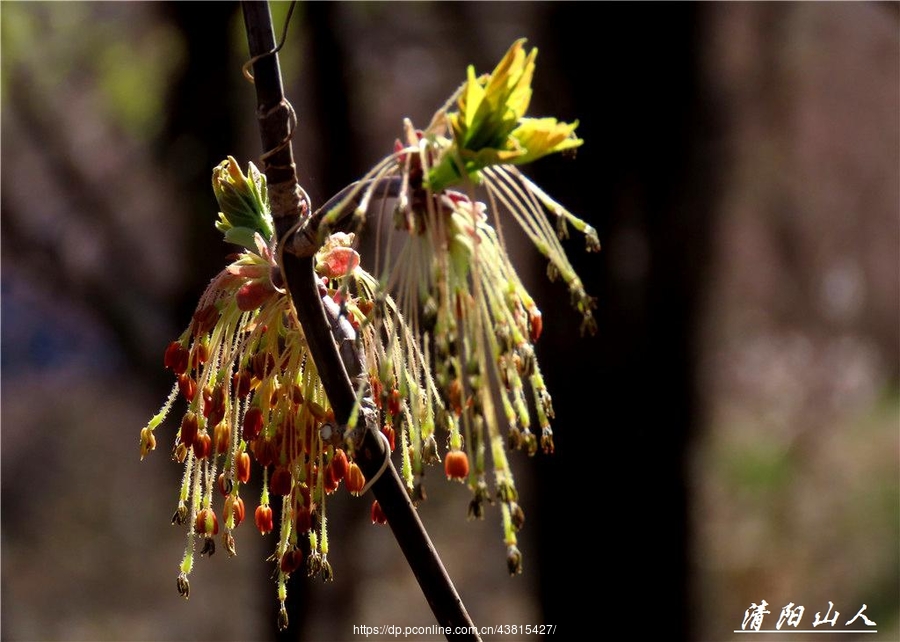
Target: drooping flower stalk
<point>474,322</point>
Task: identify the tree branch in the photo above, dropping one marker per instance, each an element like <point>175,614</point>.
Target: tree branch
<point>276,121</point>
<point>289,206</point>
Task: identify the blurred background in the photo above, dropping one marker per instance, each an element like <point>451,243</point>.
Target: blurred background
<point>731,435</point>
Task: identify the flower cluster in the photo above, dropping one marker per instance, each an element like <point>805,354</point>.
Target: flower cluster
<point>473,323</point>
<point>446,334</point>
<point>252,393</point>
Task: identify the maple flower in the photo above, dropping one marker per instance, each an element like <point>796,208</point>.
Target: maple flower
<point>463,324</point>
<point>243,368</point>
<point>440,345</point>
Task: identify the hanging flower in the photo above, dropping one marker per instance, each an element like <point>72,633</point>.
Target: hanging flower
<point>447,325</point>
<point>463,324</point>
<point>252,393</point>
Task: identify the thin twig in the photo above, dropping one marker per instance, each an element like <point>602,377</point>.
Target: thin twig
<point>289,206</point>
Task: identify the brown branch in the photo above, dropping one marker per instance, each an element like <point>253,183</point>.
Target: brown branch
<point>289,206</point>
<point>276,121</point>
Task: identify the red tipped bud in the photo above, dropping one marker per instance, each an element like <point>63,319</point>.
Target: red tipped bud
<point>536,323</point>
<point>378,516</point>
<point>265,451</point>
<point>202,445</point>
<point>223,438</point>
<point>207,523</point>
<point>394,402</point>
<point>241,381</point>
<point>253,294</point>
<point>280,483</point>
<point>329,483</point>
<point>205,319</point>
<point>291,561</point>
<point>176,357</point>
<point>242,467</point>
<point>224,484</point>
<point>388,431</point>
<point>456,465</point>
<point>189,427</point>
<point>253,423</point>
<point>234,506</point>
<point>356,481</point>
<point>339,465</point>
<point>302,519</point>
<point>214,409</point>
<point>338,261</point>
<point>187,386</point>
<point>263,518</point>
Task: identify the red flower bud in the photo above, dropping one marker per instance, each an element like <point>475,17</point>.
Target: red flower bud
<point>253,423</point>
<point>302,519</point>
<point>189,428</point>
<point>300,495</point>
<point>214,409</point>
<point>338,465</point>
<point>187,386</point>
<point>205,319</point>
<point>262,364</point>
<point>329,483</point>
<point>394,402</point>
<point>223,438</point>
<point>241,382</point>
<point>176,357</point>
<point>355,479</point>
<point>456,465</point>
<point>242,467</point>
<point>263,518</point>
<point>253,294</point>
<point>207,523</point>
<point>388,431</point>
<point>236,506</point>
<point>455,396</point>
<point>291,561</point>
<point>224,484</point>
<point>202,445</point>
<point>536,323</point>
<point>265,452</point>
<point>378,516</point>
<point>280,482</point>
<point>199,355</point>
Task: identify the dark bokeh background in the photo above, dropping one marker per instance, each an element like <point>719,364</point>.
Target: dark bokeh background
<point>730,435</point>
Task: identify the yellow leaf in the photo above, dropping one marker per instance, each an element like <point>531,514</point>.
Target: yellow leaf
<point>542,136</point>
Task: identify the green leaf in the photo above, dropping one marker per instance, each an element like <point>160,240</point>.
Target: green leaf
<point>490,127</point>
<point>243,236</point>
<point>243,202</point>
